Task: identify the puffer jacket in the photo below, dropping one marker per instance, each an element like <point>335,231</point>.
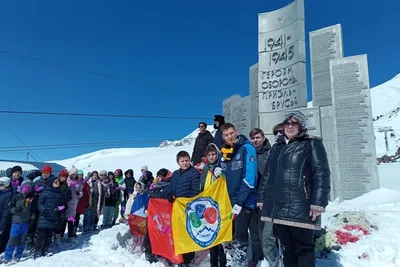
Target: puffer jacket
<point>23,208</point>
<point>49,201</point>
<point>298,179</point>
<point>5,214</point>
<point>185,183</point>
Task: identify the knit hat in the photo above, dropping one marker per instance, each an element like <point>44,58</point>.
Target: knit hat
<point>144,168</point>
<point>80,172</point>
<point>73,170</point>
<point>63,173</point>
<point>47,169</point>
<point>5,181</point>
<point>103,172</point>
<point>16,169</point>
<point>26,182</point>
<point>298,115</point>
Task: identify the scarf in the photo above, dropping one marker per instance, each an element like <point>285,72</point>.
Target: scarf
<point>228,151</point>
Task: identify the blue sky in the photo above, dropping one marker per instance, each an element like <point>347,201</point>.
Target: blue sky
<point>194,54</point>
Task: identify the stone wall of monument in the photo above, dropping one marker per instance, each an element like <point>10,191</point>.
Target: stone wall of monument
<point>353,126</point>
<point>325,44</point>
<point>282,69</point>
<point>236,110</point>
<point>253,86</point>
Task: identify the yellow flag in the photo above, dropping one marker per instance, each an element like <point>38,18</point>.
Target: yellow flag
<point>203,221</point>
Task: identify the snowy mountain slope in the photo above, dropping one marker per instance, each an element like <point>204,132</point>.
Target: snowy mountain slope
<point>385,100</point>
<point>187,140</point>
<point>128,158</point>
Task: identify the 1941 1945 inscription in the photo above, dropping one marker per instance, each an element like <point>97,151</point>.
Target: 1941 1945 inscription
<point>281,47</point>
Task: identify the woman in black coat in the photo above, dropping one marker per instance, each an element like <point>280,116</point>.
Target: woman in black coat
<point>51,205</point>
<point>296,186</point>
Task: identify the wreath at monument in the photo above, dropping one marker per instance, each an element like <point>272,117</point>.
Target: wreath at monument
<point>346,228</point>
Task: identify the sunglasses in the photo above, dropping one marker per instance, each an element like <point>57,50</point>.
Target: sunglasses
<point>201,126</point>
<point>278,132</point>
<point>291,123</point>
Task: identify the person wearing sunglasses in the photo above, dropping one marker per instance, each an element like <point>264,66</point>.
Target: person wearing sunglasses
<point>295,188</point>
<point>278,131</point>
<point>202,140</point>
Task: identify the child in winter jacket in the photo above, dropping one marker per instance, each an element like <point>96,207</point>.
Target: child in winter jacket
<point>110,201</point>
<point>39,184</point>
<point>6,193</point>
<point>185,183</point>
<point>137,201</point>
<point>94,207</point>
<point>207,167</point>
<point>51,206</point>
<point>76,193</point>
<point>66,192</point>
<point>121,188</point>
<point>162,190</point>
<point>23,210</point>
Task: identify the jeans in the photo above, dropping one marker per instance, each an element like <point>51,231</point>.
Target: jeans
<point>298,245</point>
<point>108,214</point>
<point>18,234</point>
<point>88,220</point>
<point>268,243</point>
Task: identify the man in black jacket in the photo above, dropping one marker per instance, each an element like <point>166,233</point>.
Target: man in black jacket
<point>219,120</point>
<point>202,141</point>
<point>262,237</point>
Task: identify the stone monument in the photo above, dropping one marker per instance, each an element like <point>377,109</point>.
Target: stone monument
<point>356,153</point>
<point>253,80</point>
<point>326,44</point>
<point>281,63</point>
<point>341,107</point>
<point>236,110</point>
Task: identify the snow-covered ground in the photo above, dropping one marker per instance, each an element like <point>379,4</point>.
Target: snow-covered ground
<point>381,207</point>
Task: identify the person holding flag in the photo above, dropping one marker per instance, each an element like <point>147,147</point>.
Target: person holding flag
<point>209,173</point>
<point>239,164</point>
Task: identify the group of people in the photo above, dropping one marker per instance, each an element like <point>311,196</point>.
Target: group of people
<point>38,209</point>
<point>277,194</point>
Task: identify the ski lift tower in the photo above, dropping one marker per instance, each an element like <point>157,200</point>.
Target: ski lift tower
<point>385,130</point>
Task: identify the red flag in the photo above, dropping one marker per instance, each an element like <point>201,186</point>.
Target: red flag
<point>137,225</point>
<point>160,229</point>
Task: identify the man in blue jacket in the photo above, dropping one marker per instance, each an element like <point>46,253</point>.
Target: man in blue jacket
<point>239,163</point>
